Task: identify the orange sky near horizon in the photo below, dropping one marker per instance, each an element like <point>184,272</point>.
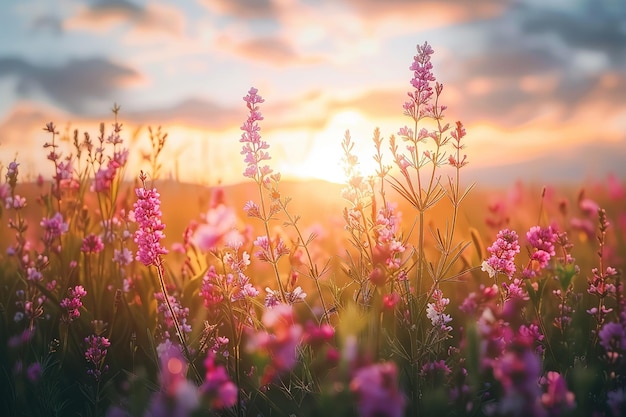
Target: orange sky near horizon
<point>540,88</point>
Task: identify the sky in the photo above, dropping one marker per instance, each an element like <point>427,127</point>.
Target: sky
<point>540,85</point>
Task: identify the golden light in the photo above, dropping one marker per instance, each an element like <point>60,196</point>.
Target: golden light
<point>323,161</point>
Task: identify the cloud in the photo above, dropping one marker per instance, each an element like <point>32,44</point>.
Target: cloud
<point>75,85</point>
<point>274,51</point>
<point>191,112</point>
<point>586,24</point>
<point>248,9</point>
<point>426,14</point>
<point>153,19</point>
<point>47,24</point>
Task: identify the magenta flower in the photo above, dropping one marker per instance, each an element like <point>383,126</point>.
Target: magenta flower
<point>542,239</point>
<point>376,390</point>
<point>435,312</point>
<point>178,397</point>
<point>557,399</point>
<point>421,81</point>
<point>150,232</point>
<point>503,251</point>
<point>105,176</point>
<point>72,303</point>
<point>95,354</point>
<point>254,148</point>
<point>613,339</point>
<point>122,257</point>
<point>210,289</point>
<point>166,320</point>
<point>217,386</point>
<point>34,372</point>
<point>92,244</point>
<point>220,227</point>
<point>518,370</point>
<point>388,246</point>
<point>279,341</point>
<point>53,227</point>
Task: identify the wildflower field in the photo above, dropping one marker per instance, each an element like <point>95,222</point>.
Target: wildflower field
<point>406,291</point>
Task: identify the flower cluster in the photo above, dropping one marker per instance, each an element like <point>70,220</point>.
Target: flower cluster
<point>386,229</point>
<point>147,211</point>
<point>92,244</point>
<point>279,341</point>
<point>376,390</point>
<point>95,355</point>
<point>53,228</point>
<point>254,148</point>
<point>435,312</point>
<point>217,386</point>
<point>503,251</point>
<point>542,240</point>
<point>421,81</point>
<point>72,303</point>
<point>167,321</point>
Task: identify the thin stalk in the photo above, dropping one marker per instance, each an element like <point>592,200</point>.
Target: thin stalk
<point>270,245</point>
<point>312,267</point>
<point>179,331</point>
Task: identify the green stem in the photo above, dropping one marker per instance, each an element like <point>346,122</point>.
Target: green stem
<point>177,327</point>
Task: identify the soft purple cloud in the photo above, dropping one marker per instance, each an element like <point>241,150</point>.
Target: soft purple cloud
<point>75,85</point>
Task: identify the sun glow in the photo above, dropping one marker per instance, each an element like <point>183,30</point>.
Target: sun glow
<point>323,160</point>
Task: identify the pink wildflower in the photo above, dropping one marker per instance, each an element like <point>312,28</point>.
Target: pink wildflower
<point>72,303</point>
<point>122,257</point>
<point>388,245</point>
<point>254,148</point>
<point>518,370</point>
<point>217,386</point>
<point>391,300</point>
<point>316,335</point>
<point>557,399</point>
<point>279,341</point>
<point>435,312</point>
<point>265,254</point>
<point>95,354</point>
<point>16,202</point>
<point>542,239</point>
<point>34,372</point>
<point>53,227</point>
<point>150,232</point>
<point>613,339</point>
<point>106,175</point>
<point>503,251</point>
<point>220,227</point>
<point>376,390</point>
<point>92,244</point>
<point>421,81</point>
<point>178,396</point>
<point>435,372</point>
<point>167,321</point>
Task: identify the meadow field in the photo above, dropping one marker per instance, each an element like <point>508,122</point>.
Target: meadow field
<point>408,291</point>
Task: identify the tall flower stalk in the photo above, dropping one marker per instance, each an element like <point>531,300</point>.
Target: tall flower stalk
<point>148,237</point>
<point>255,154</point>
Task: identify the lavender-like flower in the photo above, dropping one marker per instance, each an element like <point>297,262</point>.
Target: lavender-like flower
<point>92,244</point>
<point>217,386</point>
<point>53,227</point>
<point>377,392</point>
<point>435,312</point>
<point>421,81</point>
<point>148,236</point>
<point>95,354</point>
<point>254,148</point>
<point>503,251</point>
<point>72,303</point>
